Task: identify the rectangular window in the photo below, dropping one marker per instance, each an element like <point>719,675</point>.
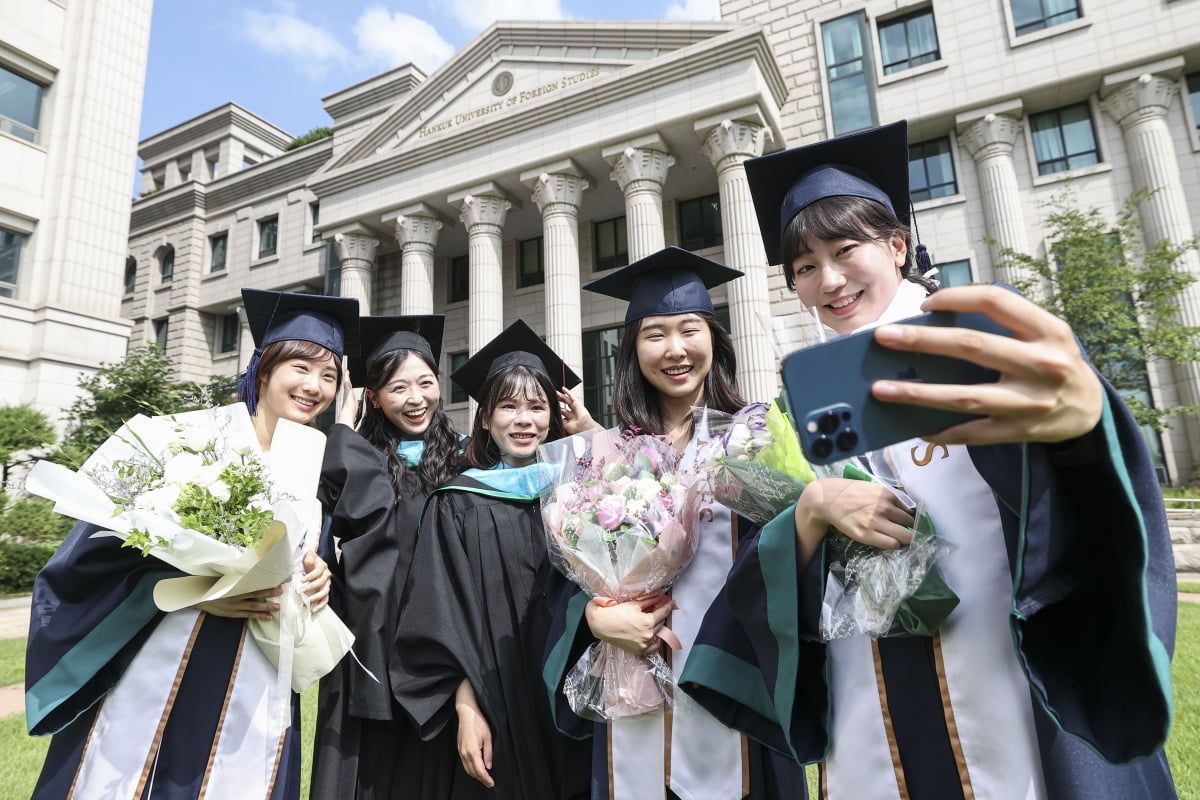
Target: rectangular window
<point>130,274</point>
<point>217,245</point>
<point>1193,87</point>
<point>314,210</point>
<point>599,372</point>
<point>954,273</point>
<point>1037,15</point>
<point>908,41</point>
<point>931,170</point>
<point>160,333</point>
<point>612,244</point>
<point>530,269</point>
<point>333,270</point>
<point>268,235</point>
<point>457,393</point>
<point>700,223</point>
<point>166,264</point>
<point>229,329</point>
<point>11,243</point>
<point>1064,139</point>
<point>460,277</point>
<point>848,73</point>
<point>20,105</point>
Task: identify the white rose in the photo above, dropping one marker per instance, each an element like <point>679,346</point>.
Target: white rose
<point>161,500</point>
<point>220,490</point>
<point>647,488</point>
<point>183,468</point>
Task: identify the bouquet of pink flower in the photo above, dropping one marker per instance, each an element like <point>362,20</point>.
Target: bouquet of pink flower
<point>619,523</point>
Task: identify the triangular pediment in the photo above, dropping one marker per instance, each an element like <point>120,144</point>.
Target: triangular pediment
<point>512,66</point>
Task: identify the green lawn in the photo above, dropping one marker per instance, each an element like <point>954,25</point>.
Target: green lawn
<point>23,755</point>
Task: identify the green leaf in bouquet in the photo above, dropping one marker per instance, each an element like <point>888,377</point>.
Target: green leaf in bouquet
<point>139,539</point>
<point>783,454</point>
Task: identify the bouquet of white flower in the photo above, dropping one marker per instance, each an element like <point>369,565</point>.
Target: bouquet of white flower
<point>195,491</point>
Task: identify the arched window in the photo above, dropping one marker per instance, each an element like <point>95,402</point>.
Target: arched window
<point>166,263</point>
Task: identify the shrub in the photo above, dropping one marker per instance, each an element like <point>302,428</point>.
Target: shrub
<point>33,519</point>
<point>19,565</point>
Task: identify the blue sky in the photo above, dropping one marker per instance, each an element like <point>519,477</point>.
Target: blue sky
<point>278,58</point>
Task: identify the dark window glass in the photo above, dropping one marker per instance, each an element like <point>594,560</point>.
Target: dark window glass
<point>130,274</point>
<point>460,277</point>
<point>217,245</point>
<point>333,270</point>
<point>20,105</point>
<point>11,243</point>
<point>530,270</point>
<point>166,265</point>
<point>1063,139</point>
<point>847,74</point>
<point>954,273</point>
<point>1193,87</point>
<point>700,223</point>
<point>1036,15</point>
<point>268,235</point>
<point>160,333</point>
<point>457,393</point>
<point>931,170</point>
<point>315,210</point>
<point>908,41</point>
<point>599,372</point>
<point>612,244</point>
<point>230,328</point>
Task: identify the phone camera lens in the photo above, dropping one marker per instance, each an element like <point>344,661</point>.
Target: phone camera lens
<point>828,422</point>
<point>822,447</point>
<point>847,439</point>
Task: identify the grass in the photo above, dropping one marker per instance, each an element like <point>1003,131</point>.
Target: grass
<point>1190,588</point>
<point>23,755</point>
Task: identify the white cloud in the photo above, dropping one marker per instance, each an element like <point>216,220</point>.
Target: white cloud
<point>694,10</point>
<point>282,33</point>
<point>475,15</point>
<point>393,38</point>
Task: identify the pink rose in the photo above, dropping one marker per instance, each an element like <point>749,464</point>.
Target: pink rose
<point>610,512</point>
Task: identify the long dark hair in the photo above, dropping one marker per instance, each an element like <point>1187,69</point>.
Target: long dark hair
<point>845,217</point>
<point>439,461</point>
<point>276,353</point>
<point>511,382</point>
<point>636,401</point>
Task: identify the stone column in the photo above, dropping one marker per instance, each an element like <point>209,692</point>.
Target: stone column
<point>989,135</point>
<point>558,190</point>
<point>728,145</point>
<point>417,233</point>
<point>483,212</point>
<point>1138,100</point>
<point>356,251</point>
<point>231,154</point>
<point>640,171</point>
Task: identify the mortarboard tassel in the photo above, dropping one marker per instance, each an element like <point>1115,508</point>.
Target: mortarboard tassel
<point>923,259</point>
<point>248,383</point>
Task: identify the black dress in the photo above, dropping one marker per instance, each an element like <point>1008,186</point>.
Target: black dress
<point>475,608</point>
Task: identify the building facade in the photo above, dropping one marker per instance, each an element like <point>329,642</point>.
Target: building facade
<point>71,80</point>
<point>545,153</point>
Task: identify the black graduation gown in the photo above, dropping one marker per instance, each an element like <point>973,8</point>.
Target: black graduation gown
<point>475,608</point>
<point>366,747</point>
<point>773,775</point>
<point>1093,618</point>
<point>93,610</point>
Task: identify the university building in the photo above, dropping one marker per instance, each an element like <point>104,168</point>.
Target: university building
<point>71,79</point>
<point>544,154</point>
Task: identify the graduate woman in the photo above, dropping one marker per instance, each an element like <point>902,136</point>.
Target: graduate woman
<point>674,356</point>
<point>474,620</point>
<point>1051,677</point>
<point>98,644</point>
<point>374,482</point>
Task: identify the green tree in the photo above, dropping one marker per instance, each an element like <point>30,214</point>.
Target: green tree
<point>1120,297</point>
<point>140,384</point>
<point>24,432</point>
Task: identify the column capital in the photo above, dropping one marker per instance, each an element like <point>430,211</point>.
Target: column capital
<point>989,135</point>
<point>414,229</point>
<point>483,209</point>
<point>1144,97</point>
<point>640,164</point>
<point>736,139</point>
<point>356,245</point>
<point>553,188</point>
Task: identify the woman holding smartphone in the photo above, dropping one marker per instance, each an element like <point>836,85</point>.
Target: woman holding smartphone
<point>1051,677</point>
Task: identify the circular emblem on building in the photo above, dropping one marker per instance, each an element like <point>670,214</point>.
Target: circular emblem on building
<point>502,84</point>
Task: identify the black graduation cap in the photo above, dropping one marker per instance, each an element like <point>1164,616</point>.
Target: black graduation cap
<point>331,322</point>
<point>516,345</point>
<point>671,281</point>
<point>871,164</point>
<point>382,335</point>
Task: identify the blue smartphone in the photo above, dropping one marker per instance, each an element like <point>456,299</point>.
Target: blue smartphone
<point>828,389</point>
